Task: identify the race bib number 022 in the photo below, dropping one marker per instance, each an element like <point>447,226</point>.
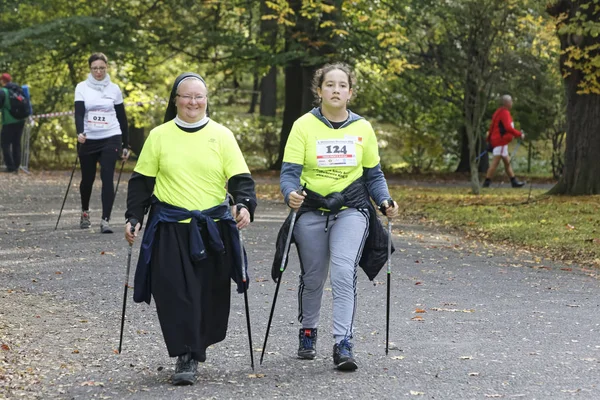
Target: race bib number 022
<point>99,119</point>
<point>336,153</point>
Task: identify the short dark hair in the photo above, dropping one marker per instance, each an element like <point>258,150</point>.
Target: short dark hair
<point>95,57</point>
<point>319,76</point>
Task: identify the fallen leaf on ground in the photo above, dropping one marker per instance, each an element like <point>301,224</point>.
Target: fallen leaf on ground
<point>420,311</point>
<point>452,310</point>
<point>256,375</point>
<point>466,357</point>
<point>92,383</point>
<point>473,373</point>
<point>5,347</point>
<point>75,351</point>
<point>398,358</point>
<point>570,227</point>
<point>415,393</point>
<point>418,283</point>
<point>417,318</point>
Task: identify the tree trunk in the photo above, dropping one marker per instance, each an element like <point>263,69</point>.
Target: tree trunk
<point>268,84</point>
<point>254,98</point>
<point>268,94</point>
<point>472,161</point>
<point>581,175</point>
<point>294,87</point>
<point>136,139</point>
<point>307,94</point>
<point>464,164</point>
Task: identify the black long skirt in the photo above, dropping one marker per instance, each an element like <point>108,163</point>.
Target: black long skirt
<point>192,298</point>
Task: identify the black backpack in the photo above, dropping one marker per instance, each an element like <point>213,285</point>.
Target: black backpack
<point>17,104</point>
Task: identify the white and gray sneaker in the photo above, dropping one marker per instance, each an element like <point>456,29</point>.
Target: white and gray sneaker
<point>84,221</point>
<point>105,227</point>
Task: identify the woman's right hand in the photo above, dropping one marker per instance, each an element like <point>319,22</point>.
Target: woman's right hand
<point>81,138</point>
<point>296,199</point>
<point>129,236</point>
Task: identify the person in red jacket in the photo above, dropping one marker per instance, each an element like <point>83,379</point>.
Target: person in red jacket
<point>502,131</point>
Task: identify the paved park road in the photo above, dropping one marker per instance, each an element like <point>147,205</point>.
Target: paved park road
<point>494,324</point>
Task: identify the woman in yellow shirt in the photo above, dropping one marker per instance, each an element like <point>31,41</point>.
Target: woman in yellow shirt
<point>191,247</point>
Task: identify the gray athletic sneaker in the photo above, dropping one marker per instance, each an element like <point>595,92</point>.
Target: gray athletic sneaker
<point>105,227</point>
<point>84,222</point>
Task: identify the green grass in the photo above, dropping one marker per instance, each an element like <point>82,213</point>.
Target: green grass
<point>560,227</point>
<point>563,227</point>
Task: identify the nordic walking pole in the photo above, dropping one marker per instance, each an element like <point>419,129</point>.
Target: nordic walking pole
<point>244,278</point>
<point>67,192</point>
<point>133,223</point>
<point>118,180</point>
<point>389,282</point>
<point>390,203</point>
<point>286,248</point>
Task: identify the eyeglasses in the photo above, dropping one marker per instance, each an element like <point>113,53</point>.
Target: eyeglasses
<point>98,69</point>
<point>188,98</point>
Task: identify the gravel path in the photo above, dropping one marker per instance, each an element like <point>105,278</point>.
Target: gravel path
<point>469,320</point>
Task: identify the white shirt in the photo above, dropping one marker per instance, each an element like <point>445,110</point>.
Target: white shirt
<point>100,119</point>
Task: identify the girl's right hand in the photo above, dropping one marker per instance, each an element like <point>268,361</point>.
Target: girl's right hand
<point>296,199</point>
<point>81,138</point>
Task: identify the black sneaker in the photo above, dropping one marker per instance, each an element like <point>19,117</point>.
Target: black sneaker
<point>343,357</point>
<point>515,183</point>
<point>185,370</point>
<point>308,343</point>
<point>486,183</point>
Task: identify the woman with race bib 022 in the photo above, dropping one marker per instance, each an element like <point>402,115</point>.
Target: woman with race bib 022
<point>332,153</point>
<point>101,135</point>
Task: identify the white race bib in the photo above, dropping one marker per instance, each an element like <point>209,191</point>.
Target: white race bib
<point>99,119</point>
<point>336,153</point>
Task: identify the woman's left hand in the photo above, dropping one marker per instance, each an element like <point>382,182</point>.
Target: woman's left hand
<point>125,154</point>
<point>242,218</point>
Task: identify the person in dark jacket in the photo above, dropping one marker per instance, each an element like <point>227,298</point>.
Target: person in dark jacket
<point>329,150</point>
<point>191,246</point>
<point>501,133</point>
<point>12,128</point>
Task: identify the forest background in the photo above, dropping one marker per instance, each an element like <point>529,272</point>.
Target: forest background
<point>429,73</point>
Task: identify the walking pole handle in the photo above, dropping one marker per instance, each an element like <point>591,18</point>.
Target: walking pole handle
<point>133,222</point>
<point>390,203</point>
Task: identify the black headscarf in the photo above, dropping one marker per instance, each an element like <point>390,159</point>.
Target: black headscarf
<point>171,108</point>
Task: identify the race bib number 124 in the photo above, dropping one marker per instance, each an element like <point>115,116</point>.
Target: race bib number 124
<point>336,153</point>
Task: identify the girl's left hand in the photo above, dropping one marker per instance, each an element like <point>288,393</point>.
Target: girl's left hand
<point>391,212</point>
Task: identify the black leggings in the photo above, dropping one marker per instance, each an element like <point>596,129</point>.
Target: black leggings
<point>106,151</point>
<point>10,140</point>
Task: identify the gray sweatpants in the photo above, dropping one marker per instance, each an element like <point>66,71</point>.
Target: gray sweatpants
<point>341,247</point>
